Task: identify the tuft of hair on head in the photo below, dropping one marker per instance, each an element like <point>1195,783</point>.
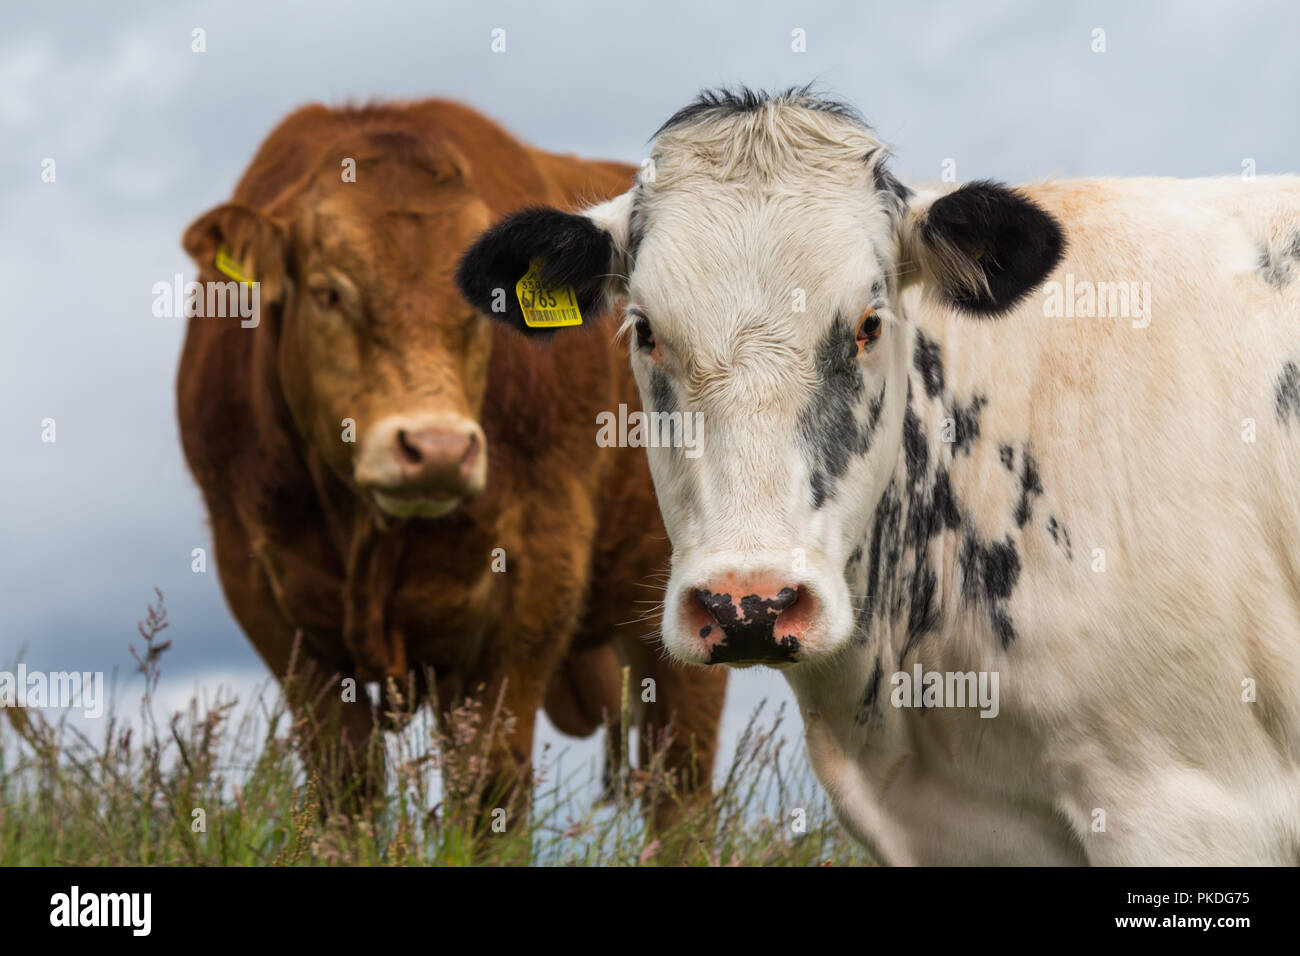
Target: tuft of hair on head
<point>725,101</point>
<point>744,135</point>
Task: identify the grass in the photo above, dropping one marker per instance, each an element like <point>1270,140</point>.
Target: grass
<point>223,783</point>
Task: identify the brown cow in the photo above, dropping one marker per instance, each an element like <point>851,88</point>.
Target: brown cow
<point>366,448</point>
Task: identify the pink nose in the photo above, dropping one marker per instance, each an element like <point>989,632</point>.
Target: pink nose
<point>750,619</point>
<point>439,460</point>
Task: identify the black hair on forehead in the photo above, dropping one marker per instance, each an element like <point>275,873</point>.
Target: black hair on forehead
<point>735,101</point>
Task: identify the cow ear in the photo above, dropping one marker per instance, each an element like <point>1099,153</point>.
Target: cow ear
<point>583,251</point>
<point>984,246</point>
<point>233,241</point>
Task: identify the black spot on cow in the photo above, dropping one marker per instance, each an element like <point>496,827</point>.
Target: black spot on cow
<point>661,392</point>
<point>884,551</point>
<point>829,428</point>
<point>1286,395</point>
<point>989,575</point>
<point>1277,266</point>
<point>851,566</point>
<point>931,511</point>
<point>749,630</point>
<point>1060,536</point>
<point>923,616</point>
<point>870,695</point>
<point>905,523</point>
<point>966,424</point>
<point>915,452</point>
<point>990,571</point>
<point>1001,624</point>
<point>1031,486</point>
<point>929,364</point>
<point>902,582</point>
<point>945,504</point>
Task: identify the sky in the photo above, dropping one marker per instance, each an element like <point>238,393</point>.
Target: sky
<point>146,134</point>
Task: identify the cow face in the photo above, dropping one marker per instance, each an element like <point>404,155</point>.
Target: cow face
<point>383,365</point>
<point>765,266</point>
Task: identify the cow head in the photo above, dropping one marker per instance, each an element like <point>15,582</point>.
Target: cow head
<point>769,262</point>
<point>381,362</point>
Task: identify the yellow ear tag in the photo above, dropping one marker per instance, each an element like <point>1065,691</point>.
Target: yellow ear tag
<point>226,265</point>
<point>546,308</point>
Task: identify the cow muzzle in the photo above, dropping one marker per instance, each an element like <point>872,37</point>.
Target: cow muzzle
<point>422,466</point>
<point>747,619</point>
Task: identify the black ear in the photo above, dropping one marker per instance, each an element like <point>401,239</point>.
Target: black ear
<point>988,246</point>
<point>573,251</point>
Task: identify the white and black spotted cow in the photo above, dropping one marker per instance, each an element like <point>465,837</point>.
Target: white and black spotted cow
<point>915,454</point>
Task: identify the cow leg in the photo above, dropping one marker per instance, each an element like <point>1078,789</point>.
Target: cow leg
<point>585,695</point>
<point>335,734</point>
<point>678,715</point>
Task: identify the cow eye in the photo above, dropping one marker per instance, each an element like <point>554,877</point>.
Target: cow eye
<point>326,298</point>
<point>868,330</point>
<point>645,338</point>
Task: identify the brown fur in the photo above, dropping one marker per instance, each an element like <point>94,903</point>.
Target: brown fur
<point>301,552</point>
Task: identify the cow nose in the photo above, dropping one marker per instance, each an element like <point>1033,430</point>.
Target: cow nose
<point>438,459</point>
<point>752,622</point>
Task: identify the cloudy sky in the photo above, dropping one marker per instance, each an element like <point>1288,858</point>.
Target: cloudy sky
<point>146,134</point>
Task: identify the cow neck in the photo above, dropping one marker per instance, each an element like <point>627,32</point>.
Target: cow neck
<point>911,540</point>
<point>367,557</point>
<point>338,502</point>
<point>928,560</point>
<point>373,566</point>
<point>282,451</point>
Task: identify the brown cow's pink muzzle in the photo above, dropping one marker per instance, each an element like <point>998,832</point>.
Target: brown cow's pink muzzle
<point>422,465</point>
<point>440,459</point>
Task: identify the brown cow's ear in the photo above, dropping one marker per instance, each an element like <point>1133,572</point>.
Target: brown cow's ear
<point>239,243</point>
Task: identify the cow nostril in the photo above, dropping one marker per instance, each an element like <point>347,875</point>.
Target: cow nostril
<point>468,460</point>
<point>785,599</point>
<point>750,610</point>
<point>717,606</point>
<point>410,453</point>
